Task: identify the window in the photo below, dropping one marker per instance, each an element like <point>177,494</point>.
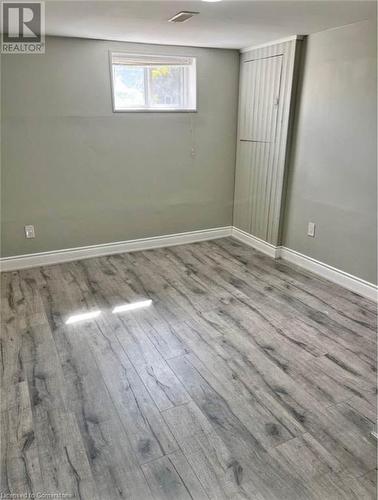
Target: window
<point>153,83</point>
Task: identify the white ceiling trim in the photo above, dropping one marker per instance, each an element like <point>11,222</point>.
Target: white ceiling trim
<point>274,42</point>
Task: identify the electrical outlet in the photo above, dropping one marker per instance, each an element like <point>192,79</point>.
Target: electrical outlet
<point>311,229</point>
<point>29,231</point>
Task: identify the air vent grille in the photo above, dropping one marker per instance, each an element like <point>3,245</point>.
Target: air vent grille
<point>182,16</point>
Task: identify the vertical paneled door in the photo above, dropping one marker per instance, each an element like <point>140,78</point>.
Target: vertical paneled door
<point>266,83</point>
<point>260,90</point>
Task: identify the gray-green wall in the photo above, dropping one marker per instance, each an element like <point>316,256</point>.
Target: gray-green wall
<point>333,172</point>
<point>84,175</point>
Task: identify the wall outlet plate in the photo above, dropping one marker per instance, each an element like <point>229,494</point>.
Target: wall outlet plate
<point>311,229</point>
<point>29,231</point>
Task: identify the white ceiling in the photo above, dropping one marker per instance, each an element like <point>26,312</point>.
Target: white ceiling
<point>227,24</point>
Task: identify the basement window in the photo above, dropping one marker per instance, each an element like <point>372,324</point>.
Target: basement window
<point>153,83</point>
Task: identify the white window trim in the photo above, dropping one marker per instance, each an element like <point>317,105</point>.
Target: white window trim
<point>145,109</point>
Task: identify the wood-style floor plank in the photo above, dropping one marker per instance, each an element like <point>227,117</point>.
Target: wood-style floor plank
<point>246,378</point>
<point>171,478</point>
<point>20,464</point>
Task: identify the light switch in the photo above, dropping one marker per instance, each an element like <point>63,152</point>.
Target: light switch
<point>311,229</point>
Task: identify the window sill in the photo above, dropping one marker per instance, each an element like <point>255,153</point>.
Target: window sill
<point>155,110</point>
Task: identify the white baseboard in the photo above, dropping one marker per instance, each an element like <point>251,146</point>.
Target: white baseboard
<point>70,254</point>
<point>353,283</point>
<point>330,273</point>
<point>257,243</point>
<point>323,270</point>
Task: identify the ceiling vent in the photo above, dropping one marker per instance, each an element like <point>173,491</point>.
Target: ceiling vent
<point>183,16</point>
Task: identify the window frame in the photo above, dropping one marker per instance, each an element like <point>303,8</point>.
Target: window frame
<point>146,109</point>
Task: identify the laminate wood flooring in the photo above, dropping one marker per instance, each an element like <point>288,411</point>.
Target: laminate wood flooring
<point>246,378</point>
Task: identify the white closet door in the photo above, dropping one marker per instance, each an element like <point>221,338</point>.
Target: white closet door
<point>261,79</point>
